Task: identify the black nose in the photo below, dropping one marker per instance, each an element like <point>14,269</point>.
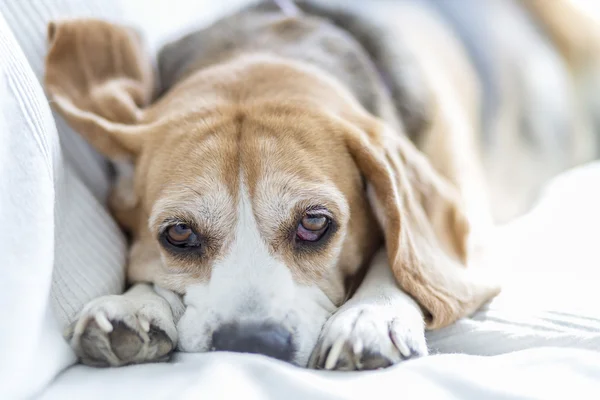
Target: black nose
<point>269,339</point>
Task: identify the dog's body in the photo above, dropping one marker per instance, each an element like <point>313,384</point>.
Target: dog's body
<point>381,125</point>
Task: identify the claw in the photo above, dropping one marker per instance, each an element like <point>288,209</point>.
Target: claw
<point>103,322</point>
<point>80,326</point>
<point>334,353</point>
<point>357,349</point>
<point>399,343</point>
<point>145,324</point>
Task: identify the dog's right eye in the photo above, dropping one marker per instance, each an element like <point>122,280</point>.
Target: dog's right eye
<point>181,236</point>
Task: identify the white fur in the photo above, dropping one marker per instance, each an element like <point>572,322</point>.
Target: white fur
<point>139,305</point>
<point>380,320</point>
<point>140,308</point>
<point>250,284</point>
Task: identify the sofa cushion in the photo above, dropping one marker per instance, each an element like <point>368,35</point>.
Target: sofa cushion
<point>60,247</point>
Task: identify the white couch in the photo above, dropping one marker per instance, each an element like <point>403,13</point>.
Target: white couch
<point>60,248</point>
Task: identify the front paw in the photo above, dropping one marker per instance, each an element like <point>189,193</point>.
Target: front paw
<point>368,337</point>
<point>113,331</point>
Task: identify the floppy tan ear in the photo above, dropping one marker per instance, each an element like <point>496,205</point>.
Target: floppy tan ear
<point>99,79</point>
<point>423,222</point>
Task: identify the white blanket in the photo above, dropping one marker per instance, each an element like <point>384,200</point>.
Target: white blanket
<point>544,373</point>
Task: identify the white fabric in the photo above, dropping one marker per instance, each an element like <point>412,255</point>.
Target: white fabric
<point>533,374</point>
<point>32,349</point>
<point>59,246</point>
<point>549,262</point>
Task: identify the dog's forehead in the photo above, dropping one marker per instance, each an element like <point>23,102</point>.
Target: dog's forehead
<point>276,163</point>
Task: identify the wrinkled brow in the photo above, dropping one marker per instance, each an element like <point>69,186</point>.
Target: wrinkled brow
<point>211,210</point>
<point>278,195</point>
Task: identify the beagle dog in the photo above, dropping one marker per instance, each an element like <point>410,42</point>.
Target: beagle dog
<point>311,182</point>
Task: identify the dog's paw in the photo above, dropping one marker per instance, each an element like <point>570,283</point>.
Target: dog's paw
<point>368,337</point>
<point>114,331</point>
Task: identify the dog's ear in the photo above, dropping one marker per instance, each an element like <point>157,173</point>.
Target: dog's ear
<point>424,225</point>
<point>99,79</point>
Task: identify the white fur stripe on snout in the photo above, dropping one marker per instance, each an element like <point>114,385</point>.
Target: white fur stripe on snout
<point>249,276</point>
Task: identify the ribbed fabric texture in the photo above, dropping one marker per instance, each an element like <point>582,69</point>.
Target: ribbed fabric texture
<point>89,256</point>
<point>32,349</point>
<point>26,195</point>
<point>500,329</point>
<point>60,247</point>
<point>90,250</point>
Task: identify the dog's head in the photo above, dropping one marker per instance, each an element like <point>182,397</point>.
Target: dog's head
<point>261,188</point>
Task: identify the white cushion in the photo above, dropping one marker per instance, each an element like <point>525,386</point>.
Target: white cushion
<point>30,343</point>
<point>59,246</point>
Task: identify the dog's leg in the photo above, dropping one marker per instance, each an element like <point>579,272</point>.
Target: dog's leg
<point>132,328</point>
<point>379,326</point>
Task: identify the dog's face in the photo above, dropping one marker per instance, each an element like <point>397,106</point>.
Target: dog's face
<point>260,188</point>
<point>257,215</point>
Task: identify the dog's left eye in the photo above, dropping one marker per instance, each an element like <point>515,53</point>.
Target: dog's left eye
<point>312,227</point>
<point>181,236</point>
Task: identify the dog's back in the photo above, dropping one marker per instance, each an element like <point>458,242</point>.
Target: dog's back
<point>534,123</point>
<point>263,28</point>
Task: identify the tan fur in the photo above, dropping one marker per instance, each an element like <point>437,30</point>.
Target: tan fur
<point>575,31</point>
<point>107,82</point>
<point>574,28</point>
<point>289,129</point>
<point>451,140</point>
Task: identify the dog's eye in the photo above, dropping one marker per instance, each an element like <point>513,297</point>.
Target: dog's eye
<point>181,235</point>
<point>312,227</point>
